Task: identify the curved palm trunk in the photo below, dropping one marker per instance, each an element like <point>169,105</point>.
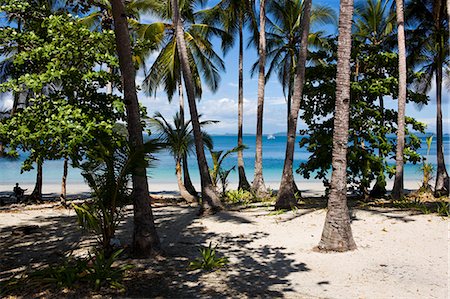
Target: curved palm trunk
<point>63,195</point>
<point>210,200</point>
<point>286,194</point>
<point>186,177</point>
<point>258,185</point>
<point>397,190</point>
<point>442,180</point>
<point>337,232</point>
<point>243,182</point>
<point>145,238</point>
<point>183,191</point>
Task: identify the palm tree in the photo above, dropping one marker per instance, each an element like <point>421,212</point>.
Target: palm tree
<point>337,232</point>
<point>258,185</point>
<point>145,237</point>
<point>286,193</point>
<point>165,72</point>
<point>429,51</point>
<point>285,47</point>
<point>233,15</point>
<point>397,190</point>
<point>210,200</point>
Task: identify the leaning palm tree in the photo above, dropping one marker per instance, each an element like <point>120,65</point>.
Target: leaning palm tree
<point>337,232</point>
<point>210,199</point>
<point>258,184</point>
<point>397,190</point>
<point>233,15</point>
<point>165,71</point>
<point>145,237</point>
<point>428,45</point>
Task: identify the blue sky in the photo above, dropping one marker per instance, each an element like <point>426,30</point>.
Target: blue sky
<point>222,105</point>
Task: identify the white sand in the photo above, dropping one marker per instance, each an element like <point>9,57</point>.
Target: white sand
<point>399,255</point>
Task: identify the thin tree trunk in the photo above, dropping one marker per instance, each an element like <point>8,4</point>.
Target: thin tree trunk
<point>36,195</point>
<point>379,189</point>
<point>258,185</point>
<point>243,182</point>
<point>145,238</point>
<point>442,180</point>
<point>397,190</point>
<point>337,232</point>
<point>210,200</point>
<point>64,182</point>
<point>183,192</point>
<point>286,194</point>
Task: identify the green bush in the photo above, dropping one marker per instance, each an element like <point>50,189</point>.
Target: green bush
<point>240,196</point>
<point>208,260</point>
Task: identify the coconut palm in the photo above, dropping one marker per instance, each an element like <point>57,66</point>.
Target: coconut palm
<point>145,237</point>
<point>428,43</point>
<point>337,232</point>
<point>397,190</point>
<point>258,184</point>
<point>284,37</point>
<point>233,15</point>
<point>210,199</point>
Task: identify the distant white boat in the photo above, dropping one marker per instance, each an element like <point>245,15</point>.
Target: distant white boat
<point>270,137</point>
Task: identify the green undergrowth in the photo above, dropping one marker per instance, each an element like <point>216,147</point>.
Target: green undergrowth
<point>245,198</point>
<point>208,259</point>
<point>94,272</point>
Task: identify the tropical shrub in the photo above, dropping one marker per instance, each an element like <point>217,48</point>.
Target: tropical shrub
<point>208,260</point>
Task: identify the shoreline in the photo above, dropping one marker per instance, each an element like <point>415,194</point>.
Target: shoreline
<point>308,188</point>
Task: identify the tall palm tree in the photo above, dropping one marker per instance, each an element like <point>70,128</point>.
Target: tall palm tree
<point>429,50</point>
<point>337,232</point>
<point>233,15</point>
<point>210,200</point>
<point>258,184</point>
<point>165,71</point>
<point>145,237</point>
<point>286,192</point>
<point>397,190</point>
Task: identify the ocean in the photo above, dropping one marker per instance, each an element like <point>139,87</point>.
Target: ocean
<point>163,170</point>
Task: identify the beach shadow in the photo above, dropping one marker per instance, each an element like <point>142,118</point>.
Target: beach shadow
<point>43,240</point>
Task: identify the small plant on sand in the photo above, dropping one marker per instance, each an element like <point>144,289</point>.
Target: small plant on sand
<point>217,172</point>
<point>443,209</point>
<point>427,169</point>
<point>239,197</point>
<point>208,260</point>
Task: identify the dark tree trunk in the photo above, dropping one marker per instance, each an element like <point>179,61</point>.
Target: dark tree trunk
<point>186,177</point>
<point>210,200</point>
<point>258,185</point>
<point>337,232</point>
<point>63,195</point>
<point>243,182</point>
<point>145,238</point>
<point>36,195</point>
<point>442,180</point>
<point>286,197</point>
<point>183,192</point>
<point>379,189</point>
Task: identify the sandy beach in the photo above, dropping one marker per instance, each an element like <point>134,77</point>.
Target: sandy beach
<point>400,254</point>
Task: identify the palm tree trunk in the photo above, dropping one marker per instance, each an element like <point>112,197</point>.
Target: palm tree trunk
<point>186,177</point>
<point>36,195</point>
<point>258,185</point>
<point>210,200</point>
<point>183,192</point>
<point>397,190</point>
<point>145,238</point>
<point>337,232</point>
<point>442,180</point>
<point>379,189</point>
<point>243,182</point>
<point>64,182</point>
<point>286,194</point>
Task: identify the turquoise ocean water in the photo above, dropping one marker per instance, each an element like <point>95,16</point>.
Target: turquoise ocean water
<point>163,172</point>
